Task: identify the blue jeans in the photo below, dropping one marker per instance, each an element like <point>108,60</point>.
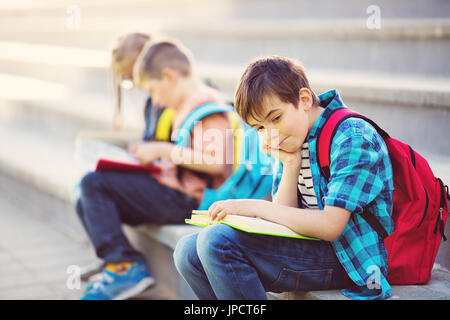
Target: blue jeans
<point>109,199</point>
<point>224,263</point>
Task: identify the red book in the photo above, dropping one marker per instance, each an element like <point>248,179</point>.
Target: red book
<point>112,165</point>
<point>96,155</point>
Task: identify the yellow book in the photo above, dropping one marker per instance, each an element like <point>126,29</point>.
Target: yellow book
<point>247,224</point>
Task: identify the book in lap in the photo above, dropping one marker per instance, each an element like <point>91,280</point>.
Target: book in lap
<point>247,224</point>
<point>96,155</point>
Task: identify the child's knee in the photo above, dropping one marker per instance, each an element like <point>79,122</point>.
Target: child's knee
<point>90,181</point>
<point>184,252</point>
<point>79,208</point>
<point>215,241</point>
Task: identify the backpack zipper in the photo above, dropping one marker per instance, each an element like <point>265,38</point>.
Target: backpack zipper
<point>439,220</point>
<point>413,161</point>
<point>426,206</point>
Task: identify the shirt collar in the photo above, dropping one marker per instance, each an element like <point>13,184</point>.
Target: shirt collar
<point>331,101</point>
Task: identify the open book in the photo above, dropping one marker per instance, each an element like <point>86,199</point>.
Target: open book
<point>247,224</point>
<point>94,155</point>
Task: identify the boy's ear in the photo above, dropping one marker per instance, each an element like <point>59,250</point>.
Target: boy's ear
<point>169,74</point>
<point>305,99</point>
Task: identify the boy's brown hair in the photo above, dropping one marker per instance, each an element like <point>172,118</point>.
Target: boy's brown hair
<point>269,76</point>
<point>163,54</point>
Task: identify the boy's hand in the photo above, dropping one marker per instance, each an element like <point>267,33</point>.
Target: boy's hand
<point>289,159</point>
<point>149,151</point>
<point>132,146</point>
<point>243,207</point>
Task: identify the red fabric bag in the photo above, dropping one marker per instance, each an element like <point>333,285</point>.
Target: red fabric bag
<point>420,205</point>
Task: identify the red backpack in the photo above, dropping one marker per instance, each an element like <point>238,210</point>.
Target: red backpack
<point>420,205</point>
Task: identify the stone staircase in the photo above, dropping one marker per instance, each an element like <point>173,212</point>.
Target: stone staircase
<point>54,82</point>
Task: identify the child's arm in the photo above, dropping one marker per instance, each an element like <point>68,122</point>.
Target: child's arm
<point>287,190</point>
<point>211,140</point>
<point>327,224</point>
<point>195,160</point>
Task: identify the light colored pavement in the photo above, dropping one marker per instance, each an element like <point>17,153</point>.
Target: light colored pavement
<point>36,255</point>
<point>42,247</point>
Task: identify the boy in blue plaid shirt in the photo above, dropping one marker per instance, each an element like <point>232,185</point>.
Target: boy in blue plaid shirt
<point>220,262</point>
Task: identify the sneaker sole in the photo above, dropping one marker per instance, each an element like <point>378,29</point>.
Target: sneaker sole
<point>138,288</point>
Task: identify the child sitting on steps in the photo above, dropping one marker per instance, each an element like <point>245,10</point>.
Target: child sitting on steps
<point>164,70</point>
<point>274,97</point>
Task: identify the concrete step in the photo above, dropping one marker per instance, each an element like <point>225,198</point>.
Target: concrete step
<point>437,289</point>
<point>234,9</point>
<point>396,47</point>
<point>30,60</point>
<point>67,109</point>
<point>426,100</point>
<point>81,68</point>
<point>348,45</point>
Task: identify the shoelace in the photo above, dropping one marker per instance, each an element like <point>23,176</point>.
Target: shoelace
<point>104,280</point>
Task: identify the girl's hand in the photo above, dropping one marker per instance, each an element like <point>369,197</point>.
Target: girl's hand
<point>243,207</point>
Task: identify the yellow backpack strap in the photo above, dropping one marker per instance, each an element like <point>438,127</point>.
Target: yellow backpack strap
<point>238,136</point>
<point>164,125</point>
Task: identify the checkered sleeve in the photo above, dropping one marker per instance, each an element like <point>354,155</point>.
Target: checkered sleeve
<point>357,166</point>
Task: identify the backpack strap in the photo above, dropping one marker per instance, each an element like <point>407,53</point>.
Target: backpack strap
<point>325,137</point>
<point>164,126</point>
<point>328,131</point>
<point>183,133</point>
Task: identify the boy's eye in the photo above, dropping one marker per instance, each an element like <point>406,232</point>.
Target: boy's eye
<point>277,118</point>
<point>259,129</point>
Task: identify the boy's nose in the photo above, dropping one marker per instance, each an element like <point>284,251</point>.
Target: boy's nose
<point>273,137</point>
<point>270,137</point>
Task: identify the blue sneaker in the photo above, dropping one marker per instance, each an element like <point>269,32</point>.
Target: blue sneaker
<point>115,286</point>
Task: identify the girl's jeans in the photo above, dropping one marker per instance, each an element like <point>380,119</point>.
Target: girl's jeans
<point>109,199</point>
<point>224,263</point>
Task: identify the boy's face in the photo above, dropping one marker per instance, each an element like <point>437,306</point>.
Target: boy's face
<point>283,126</point>
<point>164,91</point>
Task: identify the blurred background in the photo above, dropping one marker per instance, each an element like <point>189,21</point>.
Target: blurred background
<point>388,59</point>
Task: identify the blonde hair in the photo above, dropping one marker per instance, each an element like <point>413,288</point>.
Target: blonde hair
<point>125,53</point>
<point>123,59</point>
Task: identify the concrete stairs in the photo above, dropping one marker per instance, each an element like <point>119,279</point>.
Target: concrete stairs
<point>54,84</point>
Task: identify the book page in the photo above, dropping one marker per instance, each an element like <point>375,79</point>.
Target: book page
<point>248,224</point>
<point>89,151</point>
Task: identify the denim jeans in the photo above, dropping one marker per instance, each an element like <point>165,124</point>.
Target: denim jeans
<point>109,199</point>
<point>224,263</point>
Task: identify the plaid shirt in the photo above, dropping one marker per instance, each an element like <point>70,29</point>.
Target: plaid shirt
<point>360,177</point>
